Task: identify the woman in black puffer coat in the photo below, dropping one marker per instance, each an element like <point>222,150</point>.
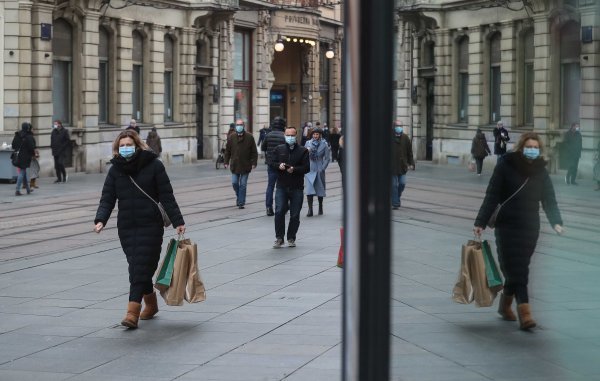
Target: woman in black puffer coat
<point>139,221</point>
<point>24,143</point>
<point>518,223</point>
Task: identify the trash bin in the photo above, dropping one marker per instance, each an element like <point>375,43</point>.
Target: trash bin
<point>7,171</point>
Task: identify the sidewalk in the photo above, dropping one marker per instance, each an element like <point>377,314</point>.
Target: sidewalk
<point>275,314</point>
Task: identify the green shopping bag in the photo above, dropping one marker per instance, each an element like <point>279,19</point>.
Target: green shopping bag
<point>165,274</point>
<point>494,279</point>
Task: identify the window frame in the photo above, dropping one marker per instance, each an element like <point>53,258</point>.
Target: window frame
<point>243,85</point>
<point>63,63</point>
<point>495,78</point>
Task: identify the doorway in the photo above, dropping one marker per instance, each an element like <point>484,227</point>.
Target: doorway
<point>277,102</point>
<point>429,125</point>
<point>199,118</point>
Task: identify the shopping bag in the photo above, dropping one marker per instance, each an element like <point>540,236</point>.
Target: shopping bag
<point>165,270</point>
<point>340,261</point>
<point>494,279</point>
<point>472,282</point>
<point>472,165</point>
<point>185,283</point>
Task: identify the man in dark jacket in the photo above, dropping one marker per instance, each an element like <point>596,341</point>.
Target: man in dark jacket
<point>24,145</point>
<point>402,160</point>
<point>133,126</point>
<point>241,156</point>
<point>500,139</point>
<point>291,163</point>
<point>272,140</point>
<point>59,141</point>
<point>573,144</point>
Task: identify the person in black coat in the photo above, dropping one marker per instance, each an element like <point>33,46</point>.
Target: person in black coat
<point>500,139</point>
<point>272,140</point>
<point>24,144</point>
<point>573,145</point>
<point>139,222</point>
<point>59,141</point>
<point>479,149</point>
<point>518,222</point>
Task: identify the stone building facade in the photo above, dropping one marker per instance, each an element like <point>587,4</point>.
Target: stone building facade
<point>464,65</point>
<point>188,68</point>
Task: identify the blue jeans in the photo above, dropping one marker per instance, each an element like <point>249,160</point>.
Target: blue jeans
<point>288,199</point>
<point>398,185</point>
<point>22,176</point>
<point>240,182</point>
<point>272,178</point>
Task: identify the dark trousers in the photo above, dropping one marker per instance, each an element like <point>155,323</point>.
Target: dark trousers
<point>572,171</point>
<point>479,163</point>
<point>140,276</point>
<point>59,167</point>
<point>271,179</point>
<point>515,248</point>
<point>288,199</point>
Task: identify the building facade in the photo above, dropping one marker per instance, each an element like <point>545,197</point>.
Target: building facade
<point>188,68</point>
<point>464,65</point>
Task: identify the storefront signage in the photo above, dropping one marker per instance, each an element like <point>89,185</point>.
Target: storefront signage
<point>299,24</point>
<point>301,19</point>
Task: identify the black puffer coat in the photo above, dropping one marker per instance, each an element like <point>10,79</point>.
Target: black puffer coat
<point>139,221</point>
<point>25,144</point>
<point>518,223</point>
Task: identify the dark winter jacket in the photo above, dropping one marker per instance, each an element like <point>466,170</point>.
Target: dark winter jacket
<point>573,144</point>
<point>297,158</point>
<point>153,141</point>
<point>139,221</point>
<point>479,147</point>
<point>402,154</point>
<point>24,143</point>
<point>59,140</point>
<point>241,153</point>
<point>273,139</point>
<point>262,135</point>
<point>522,211</point>
<point>500,139</point>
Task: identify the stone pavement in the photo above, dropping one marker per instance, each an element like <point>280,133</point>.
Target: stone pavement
<point>274,314</point>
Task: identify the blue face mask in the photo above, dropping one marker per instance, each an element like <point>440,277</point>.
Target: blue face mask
<point>126,151</point>
<point>291,140</point>
<point>531,153</point>
<point>398,130</point>
<point>239,128</point>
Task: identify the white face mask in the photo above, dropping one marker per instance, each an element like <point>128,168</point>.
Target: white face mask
<point>55,126</point>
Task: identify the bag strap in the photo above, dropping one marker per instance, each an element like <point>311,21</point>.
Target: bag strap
<point>138,187</point>
<point>514,194</point>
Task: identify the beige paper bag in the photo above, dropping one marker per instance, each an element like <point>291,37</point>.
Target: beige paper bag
<point>472,281</point>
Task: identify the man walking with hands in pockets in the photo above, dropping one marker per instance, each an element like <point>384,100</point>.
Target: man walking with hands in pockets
<point>291,162</point>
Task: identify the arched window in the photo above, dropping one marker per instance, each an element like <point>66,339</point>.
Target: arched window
<point>103,76</point>
<point>463,79</point>
<point>137,77</point>
<point>528,54</point>
<point>570,73</point>
<point>62,71</point>
<point>495,78</point>
<point>169,53</point>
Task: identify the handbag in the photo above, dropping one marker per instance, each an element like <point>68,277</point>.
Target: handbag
<point>14,158</point>
<point>163,213</point>
<point>471,165</point>
<point>492,220</point>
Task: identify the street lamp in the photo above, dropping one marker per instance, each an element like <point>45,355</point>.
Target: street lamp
<point>330,53</point>
<point>279,44</point>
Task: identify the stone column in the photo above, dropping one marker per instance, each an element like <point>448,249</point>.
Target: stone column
<point>187,76</point>
<point>124,68</point>
<point>508,76</point>
<point>156,90</point>
<point>41,75</point>
<point>476,92</point>
<point>541,69</point>
<point>227,91</point>
<point>443,78</point>
<point>264,76</point>
<point>91,64</point>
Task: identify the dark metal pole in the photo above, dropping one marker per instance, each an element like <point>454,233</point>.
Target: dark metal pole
<point>367,109</point>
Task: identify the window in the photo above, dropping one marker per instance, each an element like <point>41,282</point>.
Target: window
<point>324,77</point>
<point>137,77</point>
<point>428,54</point>
<point>168,78</point>
<point>103,76</point>
<point>62,66</point>
<point>463,79</point>
<point>242,77</point>
<point>528,78</point>
<point>570,73</point>
<point>495,78</point>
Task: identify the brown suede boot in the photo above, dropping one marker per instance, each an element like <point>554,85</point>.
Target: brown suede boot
<point>132,316</point>
<point>33,184</point>
<point>525,319</point>
<point>150,308</point>
<point>505,309</point>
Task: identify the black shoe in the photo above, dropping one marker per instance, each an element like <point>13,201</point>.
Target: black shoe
<point>58,181</point>
<point>241,206</point>
<point>574,183</point>
<point>310,213</point>
<point>17,193</point>
<point>320,210</point>
<point>270,212</point>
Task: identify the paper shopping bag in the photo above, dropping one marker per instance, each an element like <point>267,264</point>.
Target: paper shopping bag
<point>472,280</point>
<point>494,279</point>
<point>165,270</point>
<point>194,291</point>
